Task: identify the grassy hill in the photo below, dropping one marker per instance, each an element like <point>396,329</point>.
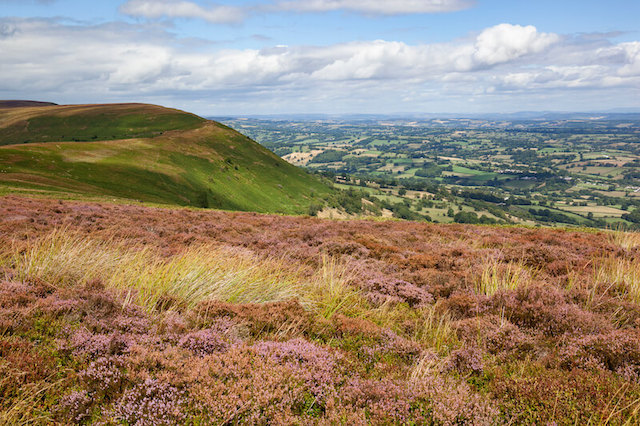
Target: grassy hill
<point>146,153</point>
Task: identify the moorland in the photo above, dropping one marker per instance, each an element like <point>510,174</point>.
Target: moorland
<point>140,315</point>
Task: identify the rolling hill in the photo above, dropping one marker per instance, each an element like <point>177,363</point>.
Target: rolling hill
<point>147,153</point>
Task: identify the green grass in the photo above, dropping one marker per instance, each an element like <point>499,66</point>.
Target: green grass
<point>99,122</point>
<point>209,166</point>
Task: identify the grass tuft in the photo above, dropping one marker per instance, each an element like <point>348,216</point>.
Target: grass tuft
<point>624,239</point>
<point>616,276</point>
<point>199,273</point>
<point>497,276</point>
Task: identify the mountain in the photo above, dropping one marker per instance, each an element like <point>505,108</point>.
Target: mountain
<point>147,153</point>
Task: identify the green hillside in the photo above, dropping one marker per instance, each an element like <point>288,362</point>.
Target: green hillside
<point>146,153</point>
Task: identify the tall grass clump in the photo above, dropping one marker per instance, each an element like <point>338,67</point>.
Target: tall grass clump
<point>199,273</point>
<point>329,293</point>
<point>624,239</point>
<point>497,276</point>
<point>435,330</point>
<point>616,276</point>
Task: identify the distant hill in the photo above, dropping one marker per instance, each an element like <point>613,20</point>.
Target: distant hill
<point>21,104</point>
<point>147,153</point>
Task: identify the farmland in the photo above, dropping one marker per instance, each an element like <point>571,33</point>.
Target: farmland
<point>575,170</point>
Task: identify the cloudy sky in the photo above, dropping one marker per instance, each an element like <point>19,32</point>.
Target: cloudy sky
<point>325,56</point>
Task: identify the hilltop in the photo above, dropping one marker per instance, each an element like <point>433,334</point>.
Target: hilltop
<point>145,153</point>
<point>24,103</point>
<point>123,314</point>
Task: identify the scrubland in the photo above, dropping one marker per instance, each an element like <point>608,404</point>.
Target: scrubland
<point>116,314</point>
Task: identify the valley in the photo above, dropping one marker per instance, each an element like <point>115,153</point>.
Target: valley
<point>575,170</point>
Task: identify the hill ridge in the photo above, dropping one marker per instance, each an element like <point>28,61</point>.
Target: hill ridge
<point>148,153</point>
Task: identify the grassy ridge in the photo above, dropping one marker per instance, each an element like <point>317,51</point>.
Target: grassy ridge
<point>90,122</point>
<point>189,162</point>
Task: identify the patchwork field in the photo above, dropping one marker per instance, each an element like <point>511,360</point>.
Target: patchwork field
<point>137,315</point>
<point>586,167</point>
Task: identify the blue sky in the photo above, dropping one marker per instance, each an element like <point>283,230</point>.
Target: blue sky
<point>325,56</point>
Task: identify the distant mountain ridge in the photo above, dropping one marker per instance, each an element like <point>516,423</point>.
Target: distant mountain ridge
<point>23,104</point>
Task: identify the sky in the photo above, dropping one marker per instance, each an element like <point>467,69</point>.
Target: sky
<point>250,57</point>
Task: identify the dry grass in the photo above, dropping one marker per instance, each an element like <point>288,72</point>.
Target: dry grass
<point>613,275</point>
<point>427,366</point>
<point>497,276</point>
<point>624,239</point>
<point>329,293</point>
<point>436,331</point>
<point>199,273</point>
<point>25,409</point>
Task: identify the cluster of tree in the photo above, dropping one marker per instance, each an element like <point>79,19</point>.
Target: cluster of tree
<point>634,216</point>
<point>329,156</point>
<point>472,217</point>
<point>546,215</point>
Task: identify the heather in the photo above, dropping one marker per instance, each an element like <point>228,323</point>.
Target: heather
<point>114,314</point>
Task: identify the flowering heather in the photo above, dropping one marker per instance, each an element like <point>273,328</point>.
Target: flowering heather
<point>103,375</point>
<point>313,364</point>
<point>465,360</point>
<point>380,291</point>
<point>150,403</point>
<point>205,342</point>
<point>298,320</point>
<point>83,342</point>
<point>76,406</point>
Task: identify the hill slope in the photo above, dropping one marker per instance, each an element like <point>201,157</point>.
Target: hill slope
<point>147,153</point>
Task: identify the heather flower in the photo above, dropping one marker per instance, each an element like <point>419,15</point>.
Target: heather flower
<point>103,374</point>
<point>391,343</point>
<point>313,364</point>
<point>204,342</point>
<point>392,290</point>
<point>464,360</point>
<point>85,343</point>
<point>151,403</point>
<point>75,406</point>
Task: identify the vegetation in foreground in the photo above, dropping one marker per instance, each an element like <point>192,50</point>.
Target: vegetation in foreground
<point>135,315</point>
<point>146,153</point>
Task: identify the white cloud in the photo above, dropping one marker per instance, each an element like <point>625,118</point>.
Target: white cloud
<point>43,60</point>
<point>378,7</point>
<point>504,42</point>
<point>632,59</point>
<point>154,9</point>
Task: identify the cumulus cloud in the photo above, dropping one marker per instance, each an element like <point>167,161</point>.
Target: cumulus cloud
<point>377,7</point>
<point>505,42</point>
<point>217,14</point>
<point>42,59</point>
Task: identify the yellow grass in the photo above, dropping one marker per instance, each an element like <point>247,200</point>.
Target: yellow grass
<point>436,331</point>
<point>199,273</point>
<point>625,240</point>
<point>613,275</point>
<point>497,276</point>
